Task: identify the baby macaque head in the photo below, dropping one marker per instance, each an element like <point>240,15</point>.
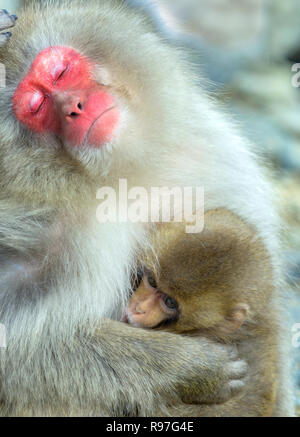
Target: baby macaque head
<point>154,307</point>
<point>203,282</point>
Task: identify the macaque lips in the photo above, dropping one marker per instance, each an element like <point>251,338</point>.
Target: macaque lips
<point>59,95</point>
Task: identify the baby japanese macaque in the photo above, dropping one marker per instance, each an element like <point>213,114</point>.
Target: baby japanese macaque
<point>203,282</point>
<point>215,284</point>
<point>151,307</point>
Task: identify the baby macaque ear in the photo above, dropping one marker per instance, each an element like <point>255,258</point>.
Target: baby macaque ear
<point>235,318</point>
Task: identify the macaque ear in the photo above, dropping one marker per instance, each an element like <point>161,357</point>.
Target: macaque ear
<point>235,318</point>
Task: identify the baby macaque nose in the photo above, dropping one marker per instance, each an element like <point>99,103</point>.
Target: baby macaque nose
<point>146,305</point>
<point>139,308</point>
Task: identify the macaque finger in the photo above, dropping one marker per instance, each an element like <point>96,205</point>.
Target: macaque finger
<point>4,38</point>
<point>7,21</point>
<point>235,387</point>
<point>237,371</point>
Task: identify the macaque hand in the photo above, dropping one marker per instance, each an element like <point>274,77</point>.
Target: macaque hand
<point>222,378</point>
<point>6,22</point>
<point>169,367</point>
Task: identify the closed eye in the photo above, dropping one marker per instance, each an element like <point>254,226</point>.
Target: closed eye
<point>61,75</point>
<point>39,108</point>
<point>36,103</point>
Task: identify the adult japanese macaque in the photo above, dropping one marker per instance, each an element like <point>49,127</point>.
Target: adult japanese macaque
<point>217,284</point>
<point>94,95</point>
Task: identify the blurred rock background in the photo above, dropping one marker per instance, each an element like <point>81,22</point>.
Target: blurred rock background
<point>249,51</point>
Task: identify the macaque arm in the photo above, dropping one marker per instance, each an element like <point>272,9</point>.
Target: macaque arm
<point>155,364</point>
<point>123,371</point>
<point>6,22</point>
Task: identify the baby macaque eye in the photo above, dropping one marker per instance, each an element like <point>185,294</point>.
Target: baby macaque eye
<point>170,302</point>
<point>152,281</point>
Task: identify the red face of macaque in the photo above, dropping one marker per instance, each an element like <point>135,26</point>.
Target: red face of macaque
<point>59,95</point>
<point>149,307</point>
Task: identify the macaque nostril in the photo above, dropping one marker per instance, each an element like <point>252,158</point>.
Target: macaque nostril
<point>76,110</point>
<point>138,309</point>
